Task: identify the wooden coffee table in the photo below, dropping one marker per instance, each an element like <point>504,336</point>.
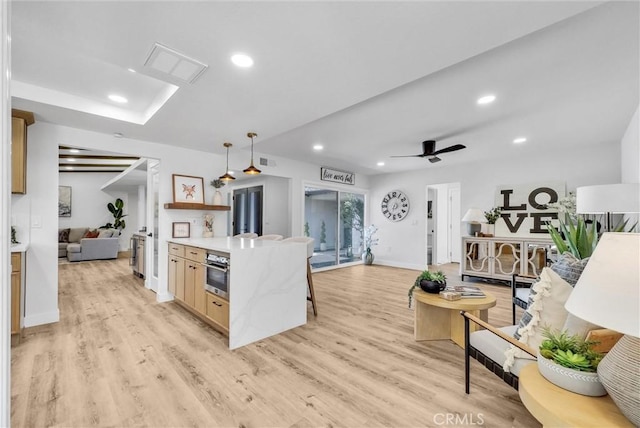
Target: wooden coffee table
<point>438,319</point>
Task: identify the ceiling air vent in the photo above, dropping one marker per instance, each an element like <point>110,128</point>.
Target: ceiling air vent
<point>267,162</point>
<point>172,63</point>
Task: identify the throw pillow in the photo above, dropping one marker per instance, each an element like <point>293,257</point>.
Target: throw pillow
<point>546,310</point>
<point>77,233</point>
<point>91,234</point>
<point>569,267</point>
<point>63,235</point>
<point>105,233</point>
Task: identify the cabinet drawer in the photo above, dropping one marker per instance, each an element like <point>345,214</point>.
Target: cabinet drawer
<point>16,262</point>
<point>176,250</point>
<point>218,310</point>
<point>196,254</point>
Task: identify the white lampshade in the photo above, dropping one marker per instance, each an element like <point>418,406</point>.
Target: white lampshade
<point>620,198</point>
<point>474,215</point>
<point>608,291</point>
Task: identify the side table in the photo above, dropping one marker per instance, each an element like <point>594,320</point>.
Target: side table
<point>553,406</point>
<point>437,318</point>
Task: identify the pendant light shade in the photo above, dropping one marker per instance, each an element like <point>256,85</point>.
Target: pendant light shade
<point>227,177</point>
<point>252,170</point>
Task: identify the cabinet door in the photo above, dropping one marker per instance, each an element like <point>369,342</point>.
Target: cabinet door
<point>189,283</point>
<point>507,257</point>
<point>16,282</point>
<point>18,155</point>
<point>180,264</point>
<point>535,257</point>
<point>476,258</point>
<point>173,267</point>
<point>200,298</point>
<point>218,310</point>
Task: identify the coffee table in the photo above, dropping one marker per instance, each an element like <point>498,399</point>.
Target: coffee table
<point>439,319</point>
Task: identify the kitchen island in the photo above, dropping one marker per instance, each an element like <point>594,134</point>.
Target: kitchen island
<point>266,283</point>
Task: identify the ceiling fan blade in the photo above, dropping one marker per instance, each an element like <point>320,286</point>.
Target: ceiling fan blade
<point>449,149</point>
<point>408,156</point>
<point>434,159</point>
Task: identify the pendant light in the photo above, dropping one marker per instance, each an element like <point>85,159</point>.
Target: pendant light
<point>252,170</point>
<point>227,177</point>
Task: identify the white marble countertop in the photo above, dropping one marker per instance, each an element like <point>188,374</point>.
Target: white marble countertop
<point>228,244</point>
<point>19,248</point>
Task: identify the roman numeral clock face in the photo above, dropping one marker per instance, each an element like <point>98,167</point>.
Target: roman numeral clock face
<point>395,205</point>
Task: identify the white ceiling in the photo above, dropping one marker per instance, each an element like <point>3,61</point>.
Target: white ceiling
<point>366,79</point>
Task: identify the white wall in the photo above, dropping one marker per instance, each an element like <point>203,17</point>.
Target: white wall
<point>89,203</point>
<point>630,152</point>
<point>402,244</point>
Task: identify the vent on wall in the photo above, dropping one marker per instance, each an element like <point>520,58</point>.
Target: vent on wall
<point>267,162</point>
<point>173,63</point>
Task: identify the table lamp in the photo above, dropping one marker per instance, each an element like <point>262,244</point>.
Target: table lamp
<point>608,294</point>
<point>474,217</point>
<point>608,199</point>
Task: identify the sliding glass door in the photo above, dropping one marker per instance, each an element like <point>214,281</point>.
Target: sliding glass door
<point>335,220</point>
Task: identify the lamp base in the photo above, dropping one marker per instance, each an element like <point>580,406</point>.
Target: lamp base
<point>474,228</point>
<point>619,373</point>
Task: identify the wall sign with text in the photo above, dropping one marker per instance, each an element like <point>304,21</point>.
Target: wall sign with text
<point>328,174</point>
<point>524,211</point>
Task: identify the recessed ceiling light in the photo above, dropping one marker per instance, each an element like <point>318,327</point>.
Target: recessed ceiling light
<point>74,150</point>
<point>118,99</point>
<point>520,140</point>
<point>487,99</point>
<point>118,134</point>
<point>131,70</point>
<point>242,60</point>
<point>318,147</point>
<point>380,164</point>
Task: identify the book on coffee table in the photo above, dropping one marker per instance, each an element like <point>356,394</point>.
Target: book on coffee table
<point>466,291</point>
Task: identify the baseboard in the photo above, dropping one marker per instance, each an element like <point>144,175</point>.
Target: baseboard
<point>40,319</point>
<point>390,263</point>
<point>164,297</point>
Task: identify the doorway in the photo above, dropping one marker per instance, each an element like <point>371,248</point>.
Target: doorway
<point>443,224</point>
<point>335,220</point>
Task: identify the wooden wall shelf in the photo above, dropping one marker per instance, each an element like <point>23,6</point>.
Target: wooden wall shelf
<point>187,206</point>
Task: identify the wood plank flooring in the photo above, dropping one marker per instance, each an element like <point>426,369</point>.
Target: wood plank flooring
<point>118,358</point>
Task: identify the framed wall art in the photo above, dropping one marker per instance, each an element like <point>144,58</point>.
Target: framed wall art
<point>64,201</point>
<point>181,229</point>
<point>188,189</point>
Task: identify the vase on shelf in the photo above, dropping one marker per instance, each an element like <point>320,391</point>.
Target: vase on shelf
<point>491,228</point>
<point>217,198</point>
<point>367,257</point>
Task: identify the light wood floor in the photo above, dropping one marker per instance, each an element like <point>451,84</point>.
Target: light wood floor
<point>118,358</point>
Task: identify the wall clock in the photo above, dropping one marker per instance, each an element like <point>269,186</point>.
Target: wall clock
<point>395,205</point>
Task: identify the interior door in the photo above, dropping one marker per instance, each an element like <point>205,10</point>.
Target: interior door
<point>247,210</point>
<point>151,243</point>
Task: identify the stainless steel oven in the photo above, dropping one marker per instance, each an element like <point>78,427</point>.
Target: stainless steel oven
<point>217,274</point>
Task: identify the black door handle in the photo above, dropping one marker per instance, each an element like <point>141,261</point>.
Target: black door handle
<point>149,234</point>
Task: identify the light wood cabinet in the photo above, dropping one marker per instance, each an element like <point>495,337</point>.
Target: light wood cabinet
<point>501,257</point>
<point>186,283</point>
<point>218,310</point>
<point>16,289</point>
<point>19,121</point>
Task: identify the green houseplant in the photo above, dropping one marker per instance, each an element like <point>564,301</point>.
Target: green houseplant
<point>570,362</point>
<point>118,217</point>
<point>323,236</point>
<point>580,238</point>
<point>438,278</point>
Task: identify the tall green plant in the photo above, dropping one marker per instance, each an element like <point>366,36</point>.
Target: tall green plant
<point>580,239</point>
<point>118,216</point>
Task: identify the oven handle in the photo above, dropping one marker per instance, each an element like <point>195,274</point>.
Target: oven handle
<point>215,267</point>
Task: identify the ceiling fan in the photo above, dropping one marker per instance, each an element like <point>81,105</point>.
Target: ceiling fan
<point>429,150</point>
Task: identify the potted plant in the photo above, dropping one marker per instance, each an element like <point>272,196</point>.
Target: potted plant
<point>323,237</point>
<point>429,282</point>
<point>118,217</point>
<point>569,362</point>
<point>492,216</point>
<point>217,197</point>
<point>306,229</point>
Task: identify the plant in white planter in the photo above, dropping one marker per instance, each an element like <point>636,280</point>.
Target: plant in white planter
<point>217,197</point>
<point>570,363</point>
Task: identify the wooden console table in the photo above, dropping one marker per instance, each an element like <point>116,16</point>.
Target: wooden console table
<point>553,406</point>
<point>438,319</point>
